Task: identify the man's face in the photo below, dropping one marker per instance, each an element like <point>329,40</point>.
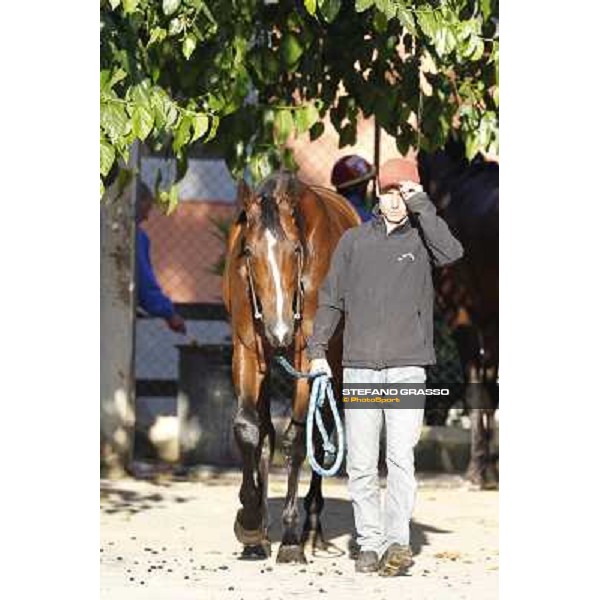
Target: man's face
<point>392,205</point>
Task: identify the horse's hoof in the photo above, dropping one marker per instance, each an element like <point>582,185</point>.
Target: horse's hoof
<point>260,551</point>
<point>248,537</point>
<point>291,554</point>
<point>315,540</point>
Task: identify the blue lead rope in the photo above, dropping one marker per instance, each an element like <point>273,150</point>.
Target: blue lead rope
<point>321,390</point>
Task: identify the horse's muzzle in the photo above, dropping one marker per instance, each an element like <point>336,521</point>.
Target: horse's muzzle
<point>280,336</point>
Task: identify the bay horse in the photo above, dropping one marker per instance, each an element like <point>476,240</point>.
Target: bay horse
<point>467,195</point>
<point>278,253</point>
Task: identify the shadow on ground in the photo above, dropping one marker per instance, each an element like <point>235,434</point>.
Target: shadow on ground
<point>338,521</point>
<point>118,500</point>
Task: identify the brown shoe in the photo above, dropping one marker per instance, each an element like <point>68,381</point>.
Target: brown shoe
<point>366,562</point>
<point>395,561</point>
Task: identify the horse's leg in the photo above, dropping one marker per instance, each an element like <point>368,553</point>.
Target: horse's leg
<point>475,399</point>
<point>294,449</point>
<point>312,532</point>
<point>483,399</point>
<point>491,392</point>
<point>247,379</point>
<point>267,446</point>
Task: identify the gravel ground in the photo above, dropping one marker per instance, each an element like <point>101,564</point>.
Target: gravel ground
<point>174,540</point>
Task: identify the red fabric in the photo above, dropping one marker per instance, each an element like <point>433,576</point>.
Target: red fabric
<point>396,170</point>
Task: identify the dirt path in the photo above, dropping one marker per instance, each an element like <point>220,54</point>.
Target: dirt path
<point>175,541</point>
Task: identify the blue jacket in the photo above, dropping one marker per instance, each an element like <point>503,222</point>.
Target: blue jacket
<point>150,295</point>
<point>357,201</point>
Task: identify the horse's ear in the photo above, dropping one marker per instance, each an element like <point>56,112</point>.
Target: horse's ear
<point>244,195</point>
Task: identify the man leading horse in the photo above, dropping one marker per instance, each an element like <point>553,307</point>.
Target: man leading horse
<point>380,281</point>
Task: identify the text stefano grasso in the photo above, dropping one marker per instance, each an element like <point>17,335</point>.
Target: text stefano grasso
<point>407,391</point>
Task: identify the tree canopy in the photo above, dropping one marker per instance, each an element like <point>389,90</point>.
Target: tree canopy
<point>245,75</point>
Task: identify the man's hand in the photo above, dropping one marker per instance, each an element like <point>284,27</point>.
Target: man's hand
<point>411,194</point>
<point>320,365</point>
<point>176,324</point>
<point>409,188</point>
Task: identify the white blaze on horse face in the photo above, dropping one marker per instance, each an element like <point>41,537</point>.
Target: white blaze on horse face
<point>280,327</point>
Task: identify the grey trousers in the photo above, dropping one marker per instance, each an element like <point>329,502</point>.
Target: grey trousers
<point>363,430</point>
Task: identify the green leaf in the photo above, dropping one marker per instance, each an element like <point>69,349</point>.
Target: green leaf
<point>477,52</point>
<point>157,35</point>
<point>471,145</point>
<point>486,8</point>
<point>347,135</point>
<point>380,22</point>
<point>116,77</point>
<point>283,126</point>
<point>140,93</point>
<point>101,189</point>
<point>189,45</point>
<point>113,120</point>
<point>403,141</point>
<point>182,134</point>
<point>108,79</point>
<point>387,7</point>
<point>445,41</point>
<point>316,131</point>
<point>407,20</point>
<point>214,127</point>
<point>200,126</point>
<point>291,50</point>
<point>305,118</point>
<point>173,199</point>
<point>171,112</point>
<point>311,6</point>
<point>142,121</point>
<point>288,160</point>
<point>362,5</point>
<point>170,6</point>
<point>329,9</point>
<point>175,26</point>
<point>427,22</point>
<point>107,157</point>
<point>129,6</point>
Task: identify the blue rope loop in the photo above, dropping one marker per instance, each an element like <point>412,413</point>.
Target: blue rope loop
<point>320,393</point>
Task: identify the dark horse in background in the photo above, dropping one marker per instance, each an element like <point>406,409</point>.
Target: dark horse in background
<point>467,196</point>
<point>279,250</point>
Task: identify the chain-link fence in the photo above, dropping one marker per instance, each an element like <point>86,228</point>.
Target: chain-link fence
<point>187,251</point>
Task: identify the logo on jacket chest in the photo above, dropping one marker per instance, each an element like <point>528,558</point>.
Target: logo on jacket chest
<point>406,256</point>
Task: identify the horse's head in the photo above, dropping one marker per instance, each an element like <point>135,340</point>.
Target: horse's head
<point>273,254</point>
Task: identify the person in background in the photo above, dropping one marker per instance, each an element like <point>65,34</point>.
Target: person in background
<point>150,295</point>
<point>350,177</point>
